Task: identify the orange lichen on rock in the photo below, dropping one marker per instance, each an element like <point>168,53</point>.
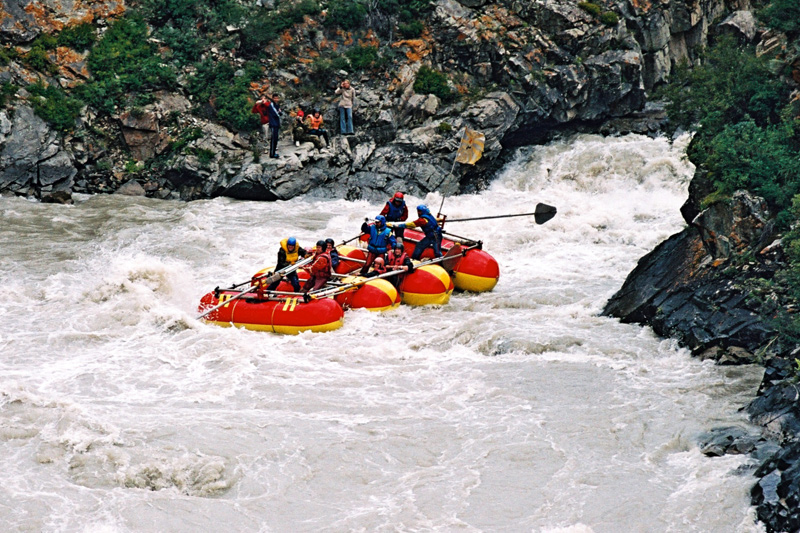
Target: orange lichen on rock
<point>416,48</point>
<point>370,39</point>
<point>42,17</point>
<point>260,88</point>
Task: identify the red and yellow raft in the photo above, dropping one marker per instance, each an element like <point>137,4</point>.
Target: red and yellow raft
<point>290,315</point>
<point>474,271</point>
<point>426,285</point>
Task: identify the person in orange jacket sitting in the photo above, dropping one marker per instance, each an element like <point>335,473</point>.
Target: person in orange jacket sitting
<point>315,126</point>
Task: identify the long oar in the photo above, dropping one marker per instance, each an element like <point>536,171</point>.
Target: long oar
<point>272,278</point>
<point>325,293</point>
<point>268,279</point>
<point>229,300</point>
<point>542,214</point>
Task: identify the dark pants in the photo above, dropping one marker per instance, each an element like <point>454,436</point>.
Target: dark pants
<point>291,277</point>
<point>320,133</point>
<point>313,283</point>
<point>427,242</point>
<point>273,140</point>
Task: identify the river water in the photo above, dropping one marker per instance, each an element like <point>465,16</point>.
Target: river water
<point>515,410</point>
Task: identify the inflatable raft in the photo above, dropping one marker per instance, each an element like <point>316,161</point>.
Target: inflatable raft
<point>279,315</point>
<point>474,270</point>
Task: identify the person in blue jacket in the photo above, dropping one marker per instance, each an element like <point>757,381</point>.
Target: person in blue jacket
<point>430,226</point>
<point>333,252</point>
<point>380,240</point>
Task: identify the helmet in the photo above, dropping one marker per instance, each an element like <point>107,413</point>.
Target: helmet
<point>380,219</point>
<point>399,246</point>
<point>398,196</point>
<point>323,244</point>
<point>422,208</point>
<point>379,260</point>
<point>300,113</point>
<point>292,241</point>
<point>329,241</point>
<point>316,110</point>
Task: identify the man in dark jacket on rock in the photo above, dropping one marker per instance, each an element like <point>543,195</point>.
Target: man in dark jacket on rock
<point>270,113</point>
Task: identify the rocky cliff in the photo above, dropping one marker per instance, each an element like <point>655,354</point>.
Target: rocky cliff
<point>517,71</point>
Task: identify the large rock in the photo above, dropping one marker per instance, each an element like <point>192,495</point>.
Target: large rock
<point>682,291</point>
<point>31,156</point>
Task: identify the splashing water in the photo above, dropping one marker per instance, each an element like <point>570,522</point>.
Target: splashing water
<point>515,410</point>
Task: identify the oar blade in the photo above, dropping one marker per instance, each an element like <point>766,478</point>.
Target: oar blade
<point>543,213</point>
<point>452,257</point>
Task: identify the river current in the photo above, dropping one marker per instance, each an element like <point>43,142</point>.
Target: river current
<point>515,410</point>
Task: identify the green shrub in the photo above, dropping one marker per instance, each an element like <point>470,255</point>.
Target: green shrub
<point>444,127</point>
<point>746,134</point>
<point>609,18</point>
<point>224,96</point>
<point>430,81</point>
<point>54,106</point>
<point>204,156</point>
<point>38,60</point>
<point>7,92</point>
<point>783,15</point>
<point>7,55</point>
<point>362,57</point>
<point>593,9</point>
<point>124,63</point>
<point>80,37</point>
<point>45,41</point>
<point>346,14</point>
<point>412,30</point>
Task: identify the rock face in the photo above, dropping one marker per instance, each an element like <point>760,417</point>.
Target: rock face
<point>539,67</point>
<point>681,288</point>
<point>32,160</point>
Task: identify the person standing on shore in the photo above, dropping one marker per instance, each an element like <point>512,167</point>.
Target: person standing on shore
<point>347,97</point>
<point>269,111</point>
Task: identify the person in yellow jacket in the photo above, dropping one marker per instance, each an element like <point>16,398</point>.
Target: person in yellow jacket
<point>288,254</point>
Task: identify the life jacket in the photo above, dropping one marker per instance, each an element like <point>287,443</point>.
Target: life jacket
<point>291,257</point>
<point>431,229</point>
<point>315,122</point>
<point>322,266</point>
<point>380,269</point>
<point>334,257</point>
<point>396,260</point>
<point>378,239</point>
<point>394,213</point>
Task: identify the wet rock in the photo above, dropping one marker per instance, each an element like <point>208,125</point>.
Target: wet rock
<point>732,440</point>
<point>131,188</point>
<point>31,156</point>
<point>680,291</point>
<point>57,197</point>
<point>777,494</point>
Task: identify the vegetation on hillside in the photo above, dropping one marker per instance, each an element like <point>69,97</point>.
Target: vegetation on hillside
<point>747,129</point>
<point>747,136</point>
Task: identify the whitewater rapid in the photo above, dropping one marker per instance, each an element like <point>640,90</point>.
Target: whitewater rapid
<point>515,410</point>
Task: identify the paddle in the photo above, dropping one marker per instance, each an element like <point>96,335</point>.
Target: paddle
<point>541,214</point>
<point>325,293</point>
<point>207,311</point>
<point>272,278</point>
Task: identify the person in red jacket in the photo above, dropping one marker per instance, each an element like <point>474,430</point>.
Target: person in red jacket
<point>396,210</point>
<point>320,270</point>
